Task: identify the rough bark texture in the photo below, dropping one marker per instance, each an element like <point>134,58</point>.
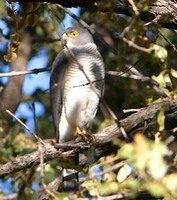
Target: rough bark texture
<point>137,122</point>
<point>161,12</point>
<point>68,3</point>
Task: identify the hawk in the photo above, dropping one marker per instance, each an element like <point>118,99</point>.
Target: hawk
<point>76,84</point>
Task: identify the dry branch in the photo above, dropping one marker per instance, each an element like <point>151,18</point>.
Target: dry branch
<point>137,122</point>
<point>23,73</point>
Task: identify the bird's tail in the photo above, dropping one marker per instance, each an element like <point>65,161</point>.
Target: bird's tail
<point>70,180</point>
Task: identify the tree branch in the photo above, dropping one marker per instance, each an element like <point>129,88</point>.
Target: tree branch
<point>161,12</point>
<point>75,3</point>
<point>22,73</point>
<point>137,122</point>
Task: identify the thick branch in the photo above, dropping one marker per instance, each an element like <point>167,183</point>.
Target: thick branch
<point>70,3</point>
<point>161,12</point>
<point>136,122</point>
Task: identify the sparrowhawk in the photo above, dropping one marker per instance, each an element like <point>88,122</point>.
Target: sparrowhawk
<point>76,84</point>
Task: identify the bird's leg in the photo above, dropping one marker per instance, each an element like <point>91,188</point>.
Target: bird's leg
<point>86,137</point>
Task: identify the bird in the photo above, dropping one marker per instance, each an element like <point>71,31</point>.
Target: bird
<point>76,84</point>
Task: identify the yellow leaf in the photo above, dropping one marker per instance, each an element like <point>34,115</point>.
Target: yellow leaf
<point>159,52</point>
<point>171,183</point>
<point>20,24</point>
<point>108,188</point>
<point>124,172</point>
<point>15,37</point>
<point>10,57</point>
<point>161,119</point>
<point>13,47</point>
<point>174,73</point>
<point>32,19</point>
<point>10,13</point>
<point>36,5</point>
<point>27,7</point>
<point>156,189</point>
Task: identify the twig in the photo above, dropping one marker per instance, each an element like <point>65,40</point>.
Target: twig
<point>127,29</point>
<point>130,67</point>
<point>41,156</point>
<point>168,41</point>
<point>107,170</point>
<point>34,116</point>
<point>40,149</point>
<point>26,127</point>
<point>33,71</point>
<point>93,87</point>
<point>130,110</point>
<point>140,77</point>
<point>135,9</point>
<point>91,30</point>
<point>12,196</point>
<point>25,182</point>
<point>78,19</point>
<point>132,44</point>
<point>154,21</point>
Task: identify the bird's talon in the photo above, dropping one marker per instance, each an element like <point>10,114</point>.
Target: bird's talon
<point>84,136</point>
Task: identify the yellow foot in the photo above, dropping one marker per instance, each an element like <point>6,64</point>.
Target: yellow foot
<point>86,137</point>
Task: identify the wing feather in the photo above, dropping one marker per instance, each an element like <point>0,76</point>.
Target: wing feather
<point>56,87</point>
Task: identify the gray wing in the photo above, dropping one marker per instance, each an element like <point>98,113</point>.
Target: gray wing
<point>56,87</point>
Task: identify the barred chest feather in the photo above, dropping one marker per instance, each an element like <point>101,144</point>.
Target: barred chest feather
<point>80,99</point>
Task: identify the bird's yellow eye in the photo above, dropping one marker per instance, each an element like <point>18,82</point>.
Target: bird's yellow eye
<point>74,34</point>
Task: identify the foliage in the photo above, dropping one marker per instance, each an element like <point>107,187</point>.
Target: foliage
<point>147,164</point>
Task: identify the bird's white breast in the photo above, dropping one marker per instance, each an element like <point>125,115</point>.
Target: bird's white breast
<point>81,99</point>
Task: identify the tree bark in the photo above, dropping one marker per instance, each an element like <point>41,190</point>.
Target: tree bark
<point>11,95</point>
<point>102,143</point>
<point>161,12</point>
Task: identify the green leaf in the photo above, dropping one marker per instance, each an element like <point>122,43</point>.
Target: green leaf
<point>156,189</point>
<point>161,119</point>
<point>108,188</point>
<point>159,52</point>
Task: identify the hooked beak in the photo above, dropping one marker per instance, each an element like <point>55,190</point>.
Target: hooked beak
<point>64,38</point>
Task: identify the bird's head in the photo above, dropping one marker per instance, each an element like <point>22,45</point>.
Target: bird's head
<point>74,37</point>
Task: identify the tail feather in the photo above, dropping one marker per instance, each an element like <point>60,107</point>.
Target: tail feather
<point>70,180</point>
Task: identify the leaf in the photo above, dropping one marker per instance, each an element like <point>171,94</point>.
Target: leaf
<point>124,172</point>
<point>10,57</point>
<point>36,5</point>
<point>92,186</point>
<point>161,119</point>
<point>32,19</point>
<point>174,73</point>
<point>27,7</point>
<point>156,189</point>
<point>108,188</point>
<point>15,37</point>
<point>159,52</point>
<point>156,165</point>
<point>21,24</point>
<point>10,13</point>
<point>171,183</point>
<point>13,47</point>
